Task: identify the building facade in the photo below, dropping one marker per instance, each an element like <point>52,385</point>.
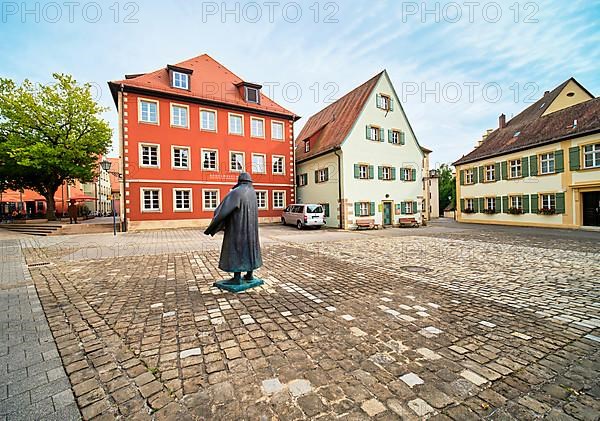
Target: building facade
<point>541,168</point>
<point>431,189</point>
<point>187,131</point>
<point>360,159</point>
<point>100,190</point>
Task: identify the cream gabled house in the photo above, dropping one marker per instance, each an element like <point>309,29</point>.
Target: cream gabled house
<point>541,168</point>
<point>359,157</point>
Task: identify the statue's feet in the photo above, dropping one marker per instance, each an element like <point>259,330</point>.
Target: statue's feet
<point>248,278</point>
<point>235,280</point>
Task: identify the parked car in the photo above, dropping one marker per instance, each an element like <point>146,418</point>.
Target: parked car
<point>304,215</point>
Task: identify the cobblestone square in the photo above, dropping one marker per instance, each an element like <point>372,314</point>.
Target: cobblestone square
<point>443,322</point>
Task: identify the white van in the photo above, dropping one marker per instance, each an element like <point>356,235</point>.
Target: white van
<point>304,215</point>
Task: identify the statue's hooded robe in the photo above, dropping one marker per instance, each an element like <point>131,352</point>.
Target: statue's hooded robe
<point>237,215</point>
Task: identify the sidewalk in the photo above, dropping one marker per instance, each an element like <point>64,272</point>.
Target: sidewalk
<point>33,383</point>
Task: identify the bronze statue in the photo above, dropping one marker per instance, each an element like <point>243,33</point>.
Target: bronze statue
<point>237,215</point>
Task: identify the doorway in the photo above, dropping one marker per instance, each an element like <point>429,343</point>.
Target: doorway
<point>387,213</point>
<point>591,209</point>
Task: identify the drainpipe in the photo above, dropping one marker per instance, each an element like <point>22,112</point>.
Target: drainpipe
<point>123,197</point>
<point>339,159</point>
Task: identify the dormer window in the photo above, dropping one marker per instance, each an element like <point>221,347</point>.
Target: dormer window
<point>306,146</point>
<point>252,95</point>
<point>181,80</point>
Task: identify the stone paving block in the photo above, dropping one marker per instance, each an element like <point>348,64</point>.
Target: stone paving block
<point>299,387</point>
<point>420,407</point>
<point>373,407</point>
<point>411,379</point>
<point>473,377</point>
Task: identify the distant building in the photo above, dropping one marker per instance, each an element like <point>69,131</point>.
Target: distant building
<point>100,190</point>
<point>431,189</point>
<point>541,168</point>
<point>186,133</point>
<point>360,159</point>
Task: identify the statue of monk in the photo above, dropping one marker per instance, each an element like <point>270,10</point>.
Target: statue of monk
<point>237,215</point>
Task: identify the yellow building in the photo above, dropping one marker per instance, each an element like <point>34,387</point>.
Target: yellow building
<point>541,168</point>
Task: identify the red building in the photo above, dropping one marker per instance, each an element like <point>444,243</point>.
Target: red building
<point>186,132</point>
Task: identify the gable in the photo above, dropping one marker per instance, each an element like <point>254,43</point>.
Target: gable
<point>571,94</point>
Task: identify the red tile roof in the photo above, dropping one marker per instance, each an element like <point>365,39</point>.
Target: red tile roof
<point>328,128</point>
<point>209,81</point>
<point>530,128</point>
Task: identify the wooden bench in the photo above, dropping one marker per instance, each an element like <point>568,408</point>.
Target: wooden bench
<point>409,222</point>
<point>366,223</point>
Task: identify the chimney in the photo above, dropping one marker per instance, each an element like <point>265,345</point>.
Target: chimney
<point>502,121</point>
<point>546,93</point>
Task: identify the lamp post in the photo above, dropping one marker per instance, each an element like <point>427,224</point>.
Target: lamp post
<point>106,167</point>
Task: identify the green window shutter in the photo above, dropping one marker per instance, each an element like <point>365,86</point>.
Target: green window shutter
<point>560,202</point>
<point>357,209</point>
<point>393,173</point>
<point>368,132</point>
<point>462,177</point>
<point>390,135</point>
<point>481,204</point>
<point>316,176</point>
<point>574,158</point>
<point>380,173</point>
<point>382,134</point>
<point>414,174</point>
<point>326,174</point>
<point>504,166</point>
<point>326,209</point>
<point>415,209</point>
<point>391,104</point>
<point>534,204</point>
<point>378,100</point>
<point>403,208</point>
<point>475,175</point>
<point>505,204</point>
<point>476,205</point>
<point>356,171</point>
<point>498,204</point>
<point>402,138</point>
<point>462,205</point>
<point>525,199</point>
<point>371,172</point>
<point>559,161</point>
<point>372,209</point>
<point>525,166</point>
<point>533,168</point>
<point>497,171</point>
<point>481,174</point>
<point>402,174</point>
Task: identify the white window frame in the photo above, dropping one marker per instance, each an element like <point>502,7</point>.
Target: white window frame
<point>188,209</point>
<point>243,161</point>
<point>364,208</point>
<point>595,154</point>
<point>407,174</point>
<point>155,102</point>
<point>141,155</point>
<point>469,176</point>
<point>550,198</point>
<point>241,116</point>
<point>252,134</point>
<point>375,133</point>
<point>364,167</point>
<point>490,170</point>
<point>142,199</point>
<point>321,175</point>
<point>216,151</point>
<point>247,89</point>
<point>273,160</point>
<point>516,202</point>
<point>549,160</point>
<point>469,204</point>
<point>215,113</point>
<point>517,166</point>
<point>396,135</point>
<point>306,146</point>
<point>204,191</point>
<point>189,158</point>
<point>408,208</point>
<point>301,177</point>
<point>489,201</point>
<point>283,192</point>
<point>282,124</point>
<point>182,77</point>
<point>266,198</point>
<point>264,157</point>
<point>174,105</point>
<point>386,173</point>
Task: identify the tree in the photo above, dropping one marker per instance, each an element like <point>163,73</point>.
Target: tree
<point>50,134</point>
<point>447,187</point>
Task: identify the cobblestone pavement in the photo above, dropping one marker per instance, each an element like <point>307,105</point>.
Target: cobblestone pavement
<point>437,323</point>
<point>33,383</point>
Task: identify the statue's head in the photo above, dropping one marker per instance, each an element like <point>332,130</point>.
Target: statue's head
<point>244,178</point>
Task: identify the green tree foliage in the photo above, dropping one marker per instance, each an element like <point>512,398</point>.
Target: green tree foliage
<point>447,187</point>
<point>50,134</point>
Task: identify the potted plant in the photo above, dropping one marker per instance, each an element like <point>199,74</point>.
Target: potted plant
<point>515,211</point>
<point>547,211</point>
<point>489,211</point>
<point>469,210</point>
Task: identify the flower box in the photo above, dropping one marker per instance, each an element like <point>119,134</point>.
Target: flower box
<point>515,211</point>
<point>547,211</point>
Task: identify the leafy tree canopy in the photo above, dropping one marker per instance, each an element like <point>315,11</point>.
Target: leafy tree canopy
<point>447,187</point>
<point>50,134</point>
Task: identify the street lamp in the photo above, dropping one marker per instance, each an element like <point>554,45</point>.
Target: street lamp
<point>105,164</point>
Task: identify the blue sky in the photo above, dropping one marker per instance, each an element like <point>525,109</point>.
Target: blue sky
<point>456,66</point>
